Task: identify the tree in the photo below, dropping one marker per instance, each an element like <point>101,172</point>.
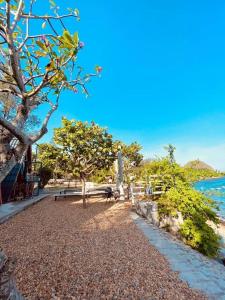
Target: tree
<point>131,153</point>
<point>85,148</point>
<point>36,65</point>
<point>45,174</point>
<point>171,149</point>
<point>131,157</point>
<point>51,158</point>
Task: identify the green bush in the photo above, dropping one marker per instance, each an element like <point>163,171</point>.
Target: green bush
<point>201,237</point>
<point>179,196</point>
<point>193,175</point>
<point>102,176</point>
<point>196,210</point>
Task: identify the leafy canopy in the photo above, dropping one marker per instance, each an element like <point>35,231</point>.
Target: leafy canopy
<point>38,60</point>
<point>131,160</point>
<point>85,147</point>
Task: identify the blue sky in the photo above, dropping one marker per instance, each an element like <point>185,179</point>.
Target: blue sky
<point>164,74</point>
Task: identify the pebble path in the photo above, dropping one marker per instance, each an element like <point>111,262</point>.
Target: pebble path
<point>199,271</point>
<point>63,251</point>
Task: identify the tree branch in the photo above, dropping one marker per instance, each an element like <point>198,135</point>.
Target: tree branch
<point>26,16</point>
<point>44,129</point>
<point>14,130</point>
<point>14,59</point>
<point>17,16</point>
<point>34,77</point>
<point>40,86</point>
<point>11,92</point>
<point>8,82</point>
<point>33,37</point>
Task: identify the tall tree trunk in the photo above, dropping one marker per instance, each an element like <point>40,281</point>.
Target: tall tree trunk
<point>5,150</point>
<point>6,136</point>
<point>84,191</point>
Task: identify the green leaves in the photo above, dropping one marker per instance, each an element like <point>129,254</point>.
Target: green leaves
<point>87,146</point>
<point>69,41</point>
<point>76,12</point>
<point>43,25</point>
<point>58,78</point>
<point>41,45</point>
<point>75,39</point>
<point>196,209</point>
<point>201,237</point>
<point>52,3</point>
<point>39,53</point>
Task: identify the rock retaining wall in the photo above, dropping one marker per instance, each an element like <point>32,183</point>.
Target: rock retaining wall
<point>149,210</point>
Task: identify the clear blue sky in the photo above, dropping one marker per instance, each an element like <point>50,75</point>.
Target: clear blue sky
<point>164,74</point>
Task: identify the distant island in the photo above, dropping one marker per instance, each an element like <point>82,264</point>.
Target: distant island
<point>199,170</point>
<point>198,165</point>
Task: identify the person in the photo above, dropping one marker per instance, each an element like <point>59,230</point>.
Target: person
<point>148,190</point>
<point>109,192</point>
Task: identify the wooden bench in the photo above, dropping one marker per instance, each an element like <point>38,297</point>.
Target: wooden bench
<point>65,193</point>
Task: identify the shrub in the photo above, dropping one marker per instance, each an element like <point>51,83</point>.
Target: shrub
<point>196,210</point>
<point>200,236</point>
<point>179,196</point>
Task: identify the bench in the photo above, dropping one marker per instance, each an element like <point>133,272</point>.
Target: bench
<point>65,193</point>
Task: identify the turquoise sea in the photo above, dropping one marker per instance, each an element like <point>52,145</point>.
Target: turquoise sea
<point>214,189</point>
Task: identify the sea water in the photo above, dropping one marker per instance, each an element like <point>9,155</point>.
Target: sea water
<point>214,189</point>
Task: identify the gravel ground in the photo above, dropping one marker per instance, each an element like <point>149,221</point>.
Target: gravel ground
<point>63,251</point>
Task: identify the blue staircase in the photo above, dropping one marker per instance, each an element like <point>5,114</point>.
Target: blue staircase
<point>10,172</point>
<point>9,182</point>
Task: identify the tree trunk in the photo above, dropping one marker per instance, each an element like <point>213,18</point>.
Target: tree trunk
<point>5,150</point>
<point>84,192</point>
<point>6,136</point>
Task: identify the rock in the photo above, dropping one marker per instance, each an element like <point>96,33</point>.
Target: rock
<point>173,223</point>
<point>3,259</point>
<point>8,288</point>
<point>148,210</point>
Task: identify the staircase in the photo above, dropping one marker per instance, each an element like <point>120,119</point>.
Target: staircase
<point>8,166</point>
<point>9,173</point>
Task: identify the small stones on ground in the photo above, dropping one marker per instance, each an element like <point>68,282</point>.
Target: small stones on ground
<point>65,252</point>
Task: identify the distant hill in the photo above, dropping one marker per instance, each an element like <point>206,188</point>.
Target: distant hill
<point>198,165</point>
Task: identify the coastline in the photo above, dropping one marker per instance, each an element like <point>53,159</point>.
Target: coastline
<point>220,228</point>
<point>208,178</point>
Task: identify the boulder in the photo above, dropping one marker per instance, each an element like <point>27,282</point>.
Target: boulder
<point>8,290</point>
<point>172,223</point>
<point>148,210</point>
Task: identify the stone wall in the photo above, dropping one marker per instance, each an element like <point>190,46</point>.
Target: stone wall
<point>149,210</point>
